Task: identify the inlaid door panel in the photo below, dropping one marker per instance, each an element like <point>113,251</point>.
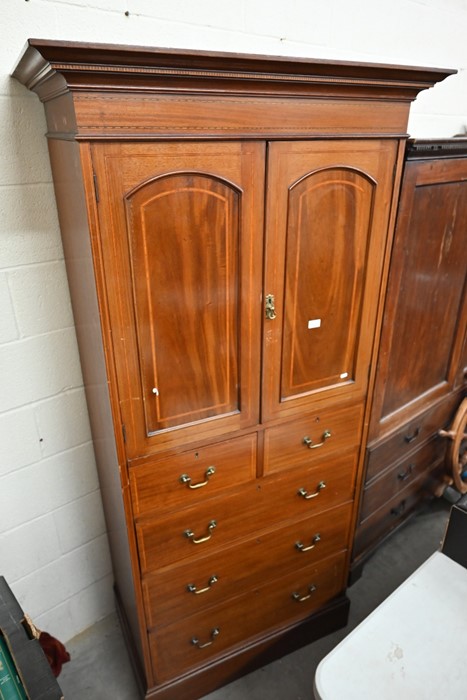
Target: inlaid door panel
<point>183,225</point>
<point>421,359</point>
<point>327,217</point>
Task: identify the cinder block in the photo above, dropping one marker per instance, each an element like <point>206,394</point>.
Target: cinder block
<point>63,422</point>
<point>39,367</point>
<point>19,440</point>
<point>28,548</point>
<point>296,20</point>
<point>41,298</point>
<point>79,522</point>
<point>8,328</point>
<point>208,13</point>
<point>42,487</point>
<point>30,232</point>
<point>63,578</point>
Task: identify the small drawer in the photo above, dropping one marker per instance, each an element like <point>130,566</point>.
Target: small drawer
<point>409,437</point>
<point>309,441</point>
<point>400,475</point>
<point>372,530</point>
<point>185,478</point>
<point>221,522</point>
<point>199,639</point>
<point>179,591</point>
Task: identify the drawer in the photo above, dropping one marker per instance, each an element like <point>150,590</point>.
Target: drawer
<point>220,522</point>
<point>199,639</point>
<point>396,510</point>
<point>409,437</point>
<point>312,440</point>
<point>185,478</point>
<point>179,591</point>
<point>397,477</point>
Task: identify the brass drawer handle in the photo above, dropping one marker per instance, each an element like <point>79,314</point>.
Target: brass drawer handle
<point>191,535</point>
<point>398,510</point>
<point>192,588</point>
<point>185,479</point>
<point>309,442</point>
<point>414,436</point>
<point>301,547</point>
<point>197,643</point>
<point>301,598</point>
<point>402,476</point>
<point>307,496</point>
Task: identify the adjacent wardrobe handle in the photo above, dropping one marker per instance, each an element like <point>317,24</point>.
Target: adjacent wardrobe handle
<point>402,476</point>
<point>192,588</point>
<point>309,442</point>
<point>301,598</point>
<point>197,643</point>
<point>191,535</point>
<point>307,496</point>
<point>301,547</point>
<point>414,436</point>
<point>185,479</point>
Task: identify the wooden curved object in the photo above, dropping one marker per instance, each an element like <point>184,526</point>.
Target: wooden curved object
<point>457,450</point>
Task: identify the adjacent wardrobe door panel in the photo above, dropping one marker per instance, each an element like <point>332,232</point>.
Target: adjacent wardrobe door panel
<point>183,224</point>
<point>327,215</point>
<point>426,294</point>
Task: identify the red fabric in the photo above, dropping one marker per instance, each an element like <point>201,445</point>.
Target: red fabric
<point>55,652</point>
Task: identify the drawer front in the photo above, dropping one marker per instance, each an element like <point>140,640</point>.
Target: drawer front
<point>189,477</point>
<point>179,591</point>
<point>400,475</point>
<point>221,522</point>
<point>312,440</point>
<point>396,510</point>
<point>409,437</point>
<point>197,640</point>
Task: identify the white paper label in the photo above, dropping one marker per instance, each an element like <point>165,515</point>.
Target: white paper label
<point>314,323</point>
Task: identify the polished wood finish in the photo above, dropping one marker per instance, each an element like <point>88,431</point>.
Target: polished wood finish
<point>235,215</point>
<point>421,371</point>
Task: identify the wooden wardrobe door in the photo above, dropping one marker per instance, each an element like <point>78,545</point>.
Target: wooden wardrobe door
<point>426,310</point>
<point>182,224</point>
<point>327,216</point>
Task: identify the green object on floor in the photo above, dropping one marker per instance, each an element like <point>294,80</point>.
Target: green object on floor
<point>11,687</point>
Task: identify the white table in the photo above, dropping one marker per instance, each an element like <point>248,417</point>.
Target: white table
<point>412,647</point>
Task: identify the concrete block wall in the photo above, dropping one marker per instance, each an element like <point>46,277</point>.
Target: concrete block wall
<point>53,546</point>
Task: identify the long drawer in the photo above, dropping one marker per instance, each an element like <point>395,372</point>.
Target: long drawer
<point>199,639</point>
<point>313,440</point>
<point>182,479</point>
<point>396,510</point>
<point>397,477</point>
<point>179,591</point>
<point>408,437</point>
<point>220,522</point>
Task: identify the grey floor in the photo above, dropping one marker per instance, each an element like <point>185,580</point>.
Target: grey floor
<point>100,670</point>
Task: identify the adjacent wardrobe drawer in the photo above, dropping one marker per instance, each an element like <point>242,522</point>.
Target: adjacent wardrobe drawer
<point>313,439</point>
<point>409,437</point>
<point>397,477</point>
<point>184,478</point>
<point>396,510</point>
<point>220,522</point>
<point>182,590</point>
<point>197,640</point>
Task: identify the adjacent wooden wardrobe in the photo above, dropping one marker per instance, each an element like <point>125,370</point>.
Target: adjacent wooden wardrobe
<point>227,222</point>
<point>422,361</point>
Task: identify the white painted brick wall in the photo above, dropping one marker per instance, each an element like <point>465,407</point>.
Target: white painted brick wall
<point>53,545</point>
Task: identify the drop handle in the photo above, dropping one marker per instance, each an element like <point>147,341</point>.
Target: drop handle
<point>301,547</point>
<point>214,633</point>
<point>198,540</point>
<point>185,479</point>
<point>414,436</point>
<point>307,496</point>
<point>191,588</point>
<point>309,442</point>
<point>302,598</point>
<point>403,476</point>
